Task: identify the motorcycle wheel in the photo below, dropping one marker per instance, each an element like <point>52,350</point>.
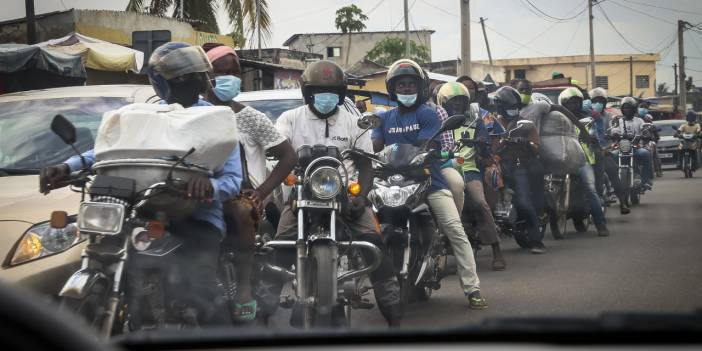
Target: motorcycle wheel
<point>322,274</point>
<point>423,292</point>
<point>91,308</point>
<point>635,196</point>
<point>522,239</point>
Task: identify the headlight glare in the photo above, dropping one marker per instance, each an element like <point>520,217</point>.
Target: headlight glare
<point>325,183</point>
<point>99,217</point>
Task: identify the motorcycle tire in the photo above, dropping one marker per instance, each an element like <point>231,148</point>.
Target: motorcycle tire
<point>423,292</point>
<point>635,196</point>
<point>322,274</point>
<point>91,308</point>
<point>522,239</point>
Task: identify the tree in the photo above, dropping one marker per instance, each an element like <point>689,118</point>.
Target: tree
<point>242,14</point>
<point>350,19</point>
<point>392,49</point>
<point>662,89</point>
<point>689,85</point>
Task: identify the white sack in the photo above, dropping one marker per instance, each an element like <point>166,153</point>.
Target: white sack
<point>560,150</point>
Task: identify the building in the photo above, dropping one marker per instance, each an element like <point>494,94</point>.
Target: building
<point>613,72</point>
<point>280,68</point>
<point>348,48</point>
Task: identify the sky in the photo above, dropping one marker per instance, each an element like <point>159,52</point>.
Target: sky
<point>515,28</point>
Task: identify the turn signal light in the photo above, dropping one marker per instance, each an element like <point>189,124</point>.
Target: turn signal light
<point>354,189</point>
<point>460,160</point>
<point>290,180</point>
<point>155,230</point>
<point>59,219</point>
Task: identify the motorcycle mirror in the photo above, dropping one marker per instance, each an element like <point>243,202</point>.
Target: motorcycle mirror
<point>368,121</point>
<point>451,123</point>
<point>64,129</point>
<point>474,110</point>
<point>525,123</point>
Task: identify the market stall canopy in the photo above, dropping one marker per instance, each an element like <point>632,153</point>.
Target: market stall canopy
<point>19,57</point>
<point>99,55</point>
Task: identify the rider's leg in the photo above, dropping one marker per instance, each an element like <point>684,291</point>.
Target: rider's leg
<point>449,222</point>
<point>643,158</point>
<point>526,207</point>
<point>242,222</point>
<point>486,223</point>
<point>587,178</point>
<point>612,170</point>
<point>455,183</point>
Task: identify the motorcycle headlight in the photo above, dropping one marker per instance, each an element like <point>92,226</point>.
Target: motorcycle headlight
<point>625,146</point>
<point>101,218</point>
<point>395,196</point>
<point>325,183</point>
<point>42,240</point>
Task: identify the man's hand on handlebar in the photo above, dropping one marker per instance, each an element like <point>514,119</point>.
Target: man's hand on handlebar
<point>256,198</point>
<point>53,177</point>
<point>200,188</point>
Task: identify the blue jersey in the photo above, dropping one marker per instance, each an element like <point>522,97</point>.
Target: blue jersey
<point>414,128</point>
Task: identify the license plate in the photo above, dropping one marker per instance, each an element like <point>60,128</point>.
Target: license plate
<point>665,155</point>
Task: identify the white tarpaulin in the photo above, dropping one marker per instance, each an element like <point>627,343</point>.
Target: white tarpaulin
<point>158,131</point>
<point>98,54</point>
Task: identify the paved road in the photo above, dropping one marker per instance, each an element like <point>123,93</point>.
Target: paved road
<point>651,262</point>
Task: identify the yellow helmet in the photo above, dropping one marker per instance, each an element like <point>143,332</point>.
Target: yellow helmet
<point>450,90</point>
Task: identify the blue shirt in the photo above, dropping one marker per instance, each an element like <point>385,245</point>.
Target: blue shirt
<point>414,128</point>
<point>226,183</point>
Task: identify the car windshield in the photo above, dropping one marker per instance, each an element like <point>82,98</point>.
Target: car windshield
<point>26,139</point>
<point>667,130</point>
<point>274,108</point>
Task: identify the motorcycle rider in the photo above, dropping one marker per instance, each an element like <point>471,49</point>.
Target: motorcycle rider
<point>257,135</point>
<point>455,98</point>
<point>179,73</point>
<point>413,122</point>
<point>604,160</point>
<point>322,121</point>
<point>521,167</point>
<point>630,125</point>
<point>524,87</point>
<point>572,99</point>
<point>691,127</point>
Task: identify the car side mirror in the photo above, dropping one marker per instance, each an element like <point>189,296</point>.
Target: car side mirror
<point>64,129</point>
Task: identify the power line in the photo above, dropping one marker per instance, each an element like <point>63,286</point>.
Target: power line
<point>554,17</point>
<point>375,7</point>
<point>440,9</point>
<point>618,32</point>
<point>515,42</point>
<point>641,12</point>
<point>572,38</point>
<point>538,36</point>
<point>402,19</point>
<point>664,8</point>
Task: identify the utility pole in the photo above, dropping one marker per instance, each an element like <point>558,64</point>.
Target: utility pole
<point>407,36</point>
<point>260,52</point>
<point>592,45</point>
<point>180,9</point>
<point>31,22</point>
<point>675,74</point>
<point>465,37</point>
<point>681,62</point>
<point>631,76</point>
<point>482,24</point>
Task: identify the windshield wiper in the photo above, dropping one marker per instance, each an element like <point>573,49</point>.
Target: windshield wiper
<point>18,171</point>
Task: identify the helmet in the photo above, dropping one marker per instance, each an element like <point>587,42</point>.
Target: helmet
<point>454,98</point>
<point>406,68</point>
<point>691,116</point>
<point>172,60</point>
<point>537,97</point>
<point>323,75</point>
<point>629,102</point>
<point>435,93</point>
<point>598,92</point>
<point>506,100</point>
<point>568,94</point>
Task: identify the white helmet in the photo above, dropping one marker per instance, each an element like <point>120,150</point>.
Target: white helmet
<point>537,97</point>
<point>569,93</point>
<point>598,92</point>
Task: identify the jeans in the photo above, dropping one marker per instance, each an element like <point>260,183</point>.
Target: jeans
<point>608,164</point>
<point>643,160</point>
<point>587,178</point>
<point>528,184</point>
<point>449,222</point>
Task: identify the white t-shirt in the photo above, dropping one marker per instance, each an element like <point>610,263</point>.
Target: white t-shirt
<point>302,127</point>
<point>633,126</point>
<point>257,134</point>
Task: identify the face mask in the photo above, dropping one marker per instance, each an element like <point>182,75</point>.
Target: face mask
<point>643,111</point>
<point>407,100</point>
<point>526,98</point>
<point>325,102</point>
<point>227,87</point>
<point>511,113</point>
<point>598,106</point>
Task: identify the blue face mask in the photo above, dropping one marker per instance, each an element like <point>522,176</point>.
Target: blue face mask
<point>325,102</point>
<point>407,100</point>
<point>598,106</point>
<point>227,87</point>
<point>587,106</point>
<point>642,111</point>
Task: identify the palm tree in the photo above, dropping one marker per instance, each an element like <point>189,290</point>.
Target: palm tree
<point>662,89</point>
<point>350,19</point>
<point>242,14</point>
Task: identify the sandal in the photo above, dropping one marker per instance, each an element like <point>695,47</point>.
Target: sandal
<point>245,312</point>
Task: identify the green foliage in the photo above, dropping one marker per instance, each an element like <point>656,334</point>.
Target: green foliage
<point>392,49</point>
<point>350,19</point>
<point>662,89</point>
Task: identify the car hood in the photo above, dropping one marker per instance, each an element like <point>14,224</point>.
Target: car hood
<point>667,141</point>
<point>20,200</point>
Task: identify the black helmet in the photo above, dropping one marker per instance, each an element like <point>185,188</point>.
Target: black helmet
<point>629,104</point>
<point>506,101</point>
<point>691,116</point>
<point>407,68</point>
<point>323,76</point>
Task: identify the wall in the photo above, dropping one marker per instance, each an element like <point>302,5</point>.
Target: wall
<point>286,79</point>
<point>361,43</point>
<point>50,27</point>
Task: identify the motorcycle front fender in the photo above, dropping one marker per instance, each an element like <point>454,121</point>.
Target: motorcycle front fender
<point>80,284</point>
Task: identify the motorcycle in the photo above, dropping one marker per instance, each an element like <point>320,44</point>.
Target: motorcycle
<point>128,279</point>
<point>687,150</point>
<point>623,147</point>
<point>416,248</point>
<point>647,141</point>
<point>329,272</point>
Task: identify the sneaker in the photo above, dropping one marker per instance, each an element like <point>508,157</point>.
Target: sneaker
<point>499,264</point>
<point>602,230</point>
<point>476,301</point>
<point>624,209</point>
<point>538,249</point>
